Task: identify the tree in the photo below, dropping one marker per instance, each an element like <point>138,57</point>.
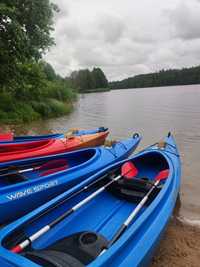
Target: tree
<point>25,28</point>
<point>48,70</point>
<point>99,78</point>
<point>85,80</point>
<point>162,78</point>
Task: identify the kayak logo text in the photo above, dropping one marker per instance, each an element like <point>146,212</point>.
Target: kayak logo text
<point>32,190</point>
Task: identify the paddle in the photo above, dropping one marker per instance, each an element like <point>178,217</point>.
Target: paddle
<point>51,208</point>
<point>163,175</point>
<point>14,167</point>
<point>47,168</point>
<point>19,248</point>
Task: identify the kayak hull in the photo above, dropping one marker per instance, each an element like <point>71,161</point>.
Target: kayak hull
<point>137,245</point>
<point>9,138</point>
<point>10,152</point>
<point>35,190</point>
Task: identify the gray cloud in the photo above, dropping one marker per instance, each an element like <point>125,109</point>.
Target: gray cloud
<point>185,19</point>
<point>125,38</point>
<point>111,27</point>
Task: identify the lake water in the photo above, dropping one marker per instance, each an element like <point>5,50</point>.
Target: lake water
<point>152,112</point>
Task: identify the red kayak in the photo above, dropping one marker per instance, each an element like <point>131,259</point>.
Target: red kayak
<point>17,151</point>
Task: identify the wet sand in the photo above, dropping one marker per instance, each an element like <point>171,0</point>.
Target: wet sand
<point>180,246</point>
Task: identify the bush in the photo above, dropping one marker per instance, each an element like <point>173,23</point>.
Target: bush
<point>34,95</point>
<point>42,108</point>
<point>59,108</point>
<point>6,102</point>
<point>26,113</point>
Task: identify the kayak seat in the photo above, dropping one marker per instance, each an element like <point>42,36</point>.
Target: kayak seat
<point>51,258</point>
<point>134,190</point>
<point>84,247</point>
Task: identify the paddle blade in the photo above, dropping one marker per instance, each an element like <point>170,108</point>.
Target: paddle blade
<point>129,170</point>
<point>53,166</point>
<point>162,175</point>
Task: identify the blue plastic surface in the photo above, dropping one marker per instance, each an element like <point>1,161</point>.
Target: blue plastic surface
<point>105,213</point>
<point>17,199</point>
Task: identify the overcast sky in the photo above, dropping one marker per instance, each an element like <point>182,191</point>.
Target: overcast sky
<point>125,37</point>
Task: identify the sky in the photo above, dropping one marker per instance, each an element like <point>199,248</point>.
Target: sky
<point>125,37</point>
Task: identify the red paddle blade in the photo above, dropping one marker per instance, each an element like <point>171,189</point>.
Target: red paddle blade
<point>53,166</point>
<point>129,170</point>
<point>162,175</point>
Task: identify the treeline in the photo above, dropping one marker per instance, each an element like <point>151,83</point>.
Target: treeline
<point>29,87</point>
<point>86,80</point>
<point>183,76</point>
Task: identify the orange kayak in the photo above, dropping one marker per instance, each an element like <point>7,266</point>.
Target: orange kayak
<point>9,152</point>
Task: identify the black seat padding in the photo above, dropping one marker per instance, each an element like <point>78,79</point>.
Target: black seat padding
<point>51,258</point>
<point>78,249</point>
<point>133,190</point>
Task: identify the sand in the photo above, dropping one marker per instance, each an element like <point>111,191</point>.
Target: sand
<point>179,247</point>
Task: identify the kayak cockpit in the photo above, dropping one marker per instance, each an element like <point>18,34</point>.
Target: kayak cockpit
<point>45,167</point>
<point>20,147</point>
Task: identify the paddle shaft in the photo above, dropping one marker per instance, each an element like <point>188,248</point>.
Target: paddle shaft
<point>19,172</point>
<point>13,168</point>
<point>124,226</point>
<point>19,248</point>
<point>66,199</point>
<point>50,164</point>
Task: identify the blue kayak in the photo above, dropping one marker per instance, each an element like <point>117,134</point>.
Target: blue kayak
<point>28,183</point>
<point>77,228</point>
<point>8,138</point>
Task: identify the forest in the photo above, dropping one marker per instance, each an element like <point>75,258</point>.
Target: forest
<point>29,87</point>
<point>89,81</point>
<point>183,76</point>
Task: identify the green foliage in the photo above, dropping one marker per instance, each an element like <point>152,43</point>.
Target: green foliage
<point>48,70</point>
<point>184,76</point>
<point>35,96</point>
<point>99,78</point>
<point>59,90</point>
<point>25,28</point>
<point>85,80</point>
<point>51,108</point>
<point>15,111</point>
<point>29,88</point>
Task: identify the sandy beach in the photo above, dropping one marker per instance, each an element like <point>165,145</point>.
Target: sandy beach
<point>179,247</point>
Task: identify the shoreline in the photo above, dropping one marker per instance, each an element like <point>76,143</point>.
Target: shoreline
<point>58,110</point>
<point>179,247</point>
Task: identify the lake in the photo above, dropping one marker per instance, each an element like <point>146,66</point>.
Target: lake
<point>152,112</point>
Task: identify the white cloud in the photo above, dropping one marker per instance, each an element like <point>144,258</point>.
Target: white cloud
<point>126,37</point>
